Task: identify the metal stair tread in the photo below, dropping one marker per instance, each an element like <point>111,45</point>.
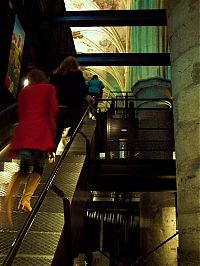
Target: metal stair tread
<point>38,243</point>
<point>37,248</point>
<point>50,204</point>
<point>5,177</point>
<point>11,167</point>
<point>41,221</point>
<point>26,260</point>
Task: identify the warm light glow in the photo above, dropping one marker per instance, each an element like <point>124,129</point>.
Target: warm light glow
<point>102,155</point>
<point>26,82</point>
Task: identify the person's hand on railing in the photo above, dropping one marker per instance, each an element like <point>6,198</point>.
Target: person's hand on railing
<point>52,157</point>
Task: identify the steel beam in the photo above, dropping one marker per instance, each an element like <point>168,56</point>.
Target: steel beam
<point>133,183</point>
<point>151,17</point>
<point>124,59</point>
<point>113,205</point>
<point>135,176</point>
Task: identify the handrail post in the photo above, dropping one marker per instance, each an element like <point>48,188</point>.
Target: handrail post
<point>87,142</point>
<point>63,254</point>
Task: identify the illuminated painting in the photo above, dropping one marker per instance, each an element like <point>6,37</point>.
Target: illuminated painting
<point>15,58</point>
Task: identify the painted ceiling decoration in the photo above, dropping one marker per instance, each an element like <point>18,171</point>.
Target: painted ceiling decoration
<point>119,40</point>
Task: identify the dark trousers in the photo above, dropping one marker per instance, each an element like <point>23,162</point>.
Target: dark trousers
<point>93,109</point>
<point>67,117</point>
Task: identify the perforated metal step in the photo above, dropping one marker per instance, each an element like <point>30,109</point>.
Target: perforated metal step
<point>40,243</point>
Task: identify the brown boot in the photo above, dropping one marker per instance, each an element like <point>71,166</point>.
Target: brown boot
<point>12,190</point>
<point>32,183</point>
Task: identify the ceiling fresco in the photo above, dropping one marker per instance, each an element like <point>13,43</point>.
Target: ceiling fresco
<point>117,40</point>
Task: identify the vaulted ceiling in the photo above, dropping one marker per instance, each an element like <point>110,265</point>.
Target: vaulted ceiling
<point>120,40</point>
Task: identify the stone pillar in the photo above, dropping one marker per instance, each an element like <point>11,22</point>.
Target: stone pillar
<point>184,23</point>
<point>158,223</point>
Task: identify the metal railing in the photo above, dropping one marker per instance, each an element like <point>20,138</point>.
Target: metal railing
<point>141,258</point>
<point>21,235</point>
<point>145,256</point>
<point>143,120</point>
<point>8,109</point>
<point>49,184</point>
<point>7,118</point>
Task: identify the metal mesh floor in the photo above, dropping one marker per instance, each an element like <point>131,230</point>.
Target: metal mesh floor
<point>40,243</point>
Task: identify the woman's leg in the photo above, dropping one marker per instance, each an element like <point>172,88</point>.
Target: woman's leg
<point>12,191</point>
<point>64,120</point>
<point>97,96</point>
<point>31,186</point>
<point>38,159</point>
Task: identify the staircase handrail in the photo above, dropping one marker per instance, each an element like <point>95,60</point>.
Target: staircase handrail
<point>132,98</point>
<point>8,109</point>
<point>17,242</point>
<point>143,257</point>
<point>8,119</point>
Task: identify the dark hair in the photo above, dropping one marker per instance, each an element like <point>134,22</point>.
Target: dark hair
<point>36,76</point>
<point>94,77</point>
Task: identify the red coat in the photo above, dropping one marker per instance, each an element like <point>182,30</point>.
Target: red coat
<point>37,108</point>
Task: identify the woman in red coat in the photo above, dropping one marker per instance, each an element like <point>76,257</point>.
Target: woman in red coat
<point>33,138</point>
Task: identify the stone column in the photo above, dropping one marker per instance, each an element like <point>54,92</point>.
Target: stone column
<point>158,223</point>
<point>184,22</point>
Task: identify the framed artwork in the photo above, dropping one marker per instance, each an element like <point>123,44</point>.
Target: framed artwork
<point>15,58</point>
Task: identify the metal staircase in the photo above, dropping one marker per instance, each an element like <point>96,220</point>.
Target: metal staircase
<point>40,243</point>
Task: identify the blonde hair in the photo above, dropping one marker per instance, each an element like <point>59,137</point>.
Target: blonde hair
<point>69,64</point>
<point>36,76</point>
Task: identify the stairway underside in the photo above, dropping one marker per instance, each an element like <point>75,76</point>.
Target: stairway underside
<point>136,176</point>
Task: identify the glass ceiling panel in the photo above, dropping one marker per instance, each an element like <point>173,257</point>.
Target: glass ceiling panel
<point>114,4</point>
<point>120,40</point>
<point>113,39</point>
<point>96,4</point>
